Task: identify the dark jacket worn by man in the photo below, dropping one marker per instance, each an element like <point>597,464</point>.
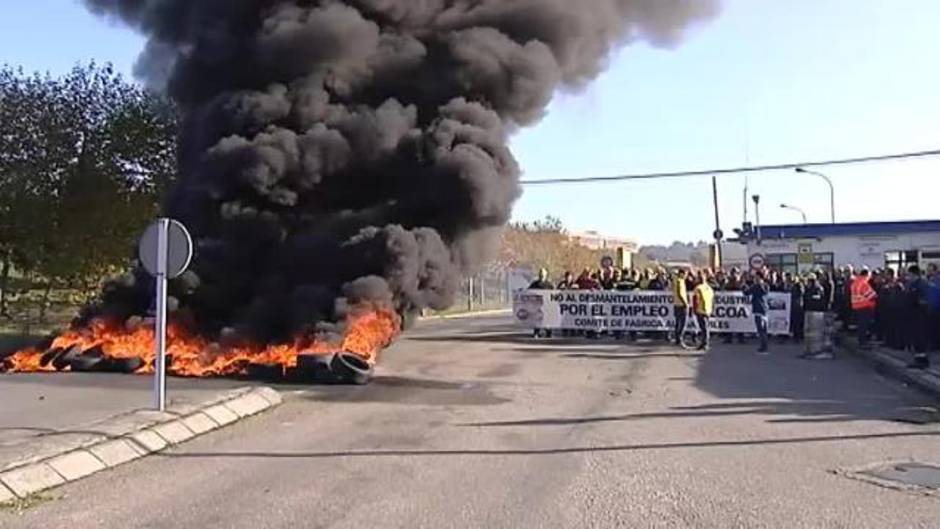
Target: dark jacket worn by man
<point>814,298</point>
<point>760,306</point>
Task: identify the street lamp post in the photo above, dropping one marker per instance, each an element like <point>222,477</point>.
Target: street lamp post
<point>832,189</point>
<point>756,199</point>
<point>798,210</point>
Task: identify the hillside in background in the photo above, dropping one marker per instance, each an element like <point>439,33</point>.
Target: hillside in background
<point>694,253</point>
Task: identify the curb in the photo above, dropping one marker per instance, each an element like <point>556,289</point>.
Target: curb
<point>459,315</point>
<point>898,369</point>
<point>109,451</point>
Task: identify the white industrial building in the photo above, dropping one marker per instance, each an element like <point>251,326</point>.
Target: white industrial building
<point>804,247</point>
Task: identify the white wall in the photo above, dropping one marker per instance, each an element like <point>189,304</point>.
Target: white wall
<point>734,255</point>
<point>857,251</point>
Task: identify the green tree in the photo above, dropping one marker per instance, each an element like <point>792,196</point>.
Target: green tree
<point>32,154</point>
<point>84,160</point>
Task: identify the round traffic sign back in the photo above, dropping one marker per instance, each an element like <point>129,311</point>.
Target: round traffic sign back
<point>757,261</point>
<point>179,248</point>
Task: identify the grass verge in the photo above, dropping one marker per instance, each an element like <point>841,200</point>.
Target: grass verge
<point>20,505</point>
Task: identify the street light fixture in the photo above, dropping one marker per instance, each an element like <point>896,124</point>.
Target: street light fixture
<point>798,210</point>
<point>832,189</point>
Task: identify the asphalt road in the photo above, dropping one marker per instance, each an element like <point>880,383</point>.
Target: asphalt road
<point>471,425</point>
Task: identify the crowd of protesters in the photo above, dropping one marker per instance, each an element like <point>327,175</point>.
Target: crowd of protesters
<point>901,310</point>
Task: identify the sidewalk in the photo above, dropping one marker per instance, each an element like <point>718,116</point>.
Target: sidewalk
<point>895,364</point>
<point>468,314</point>
<point>62,427</point>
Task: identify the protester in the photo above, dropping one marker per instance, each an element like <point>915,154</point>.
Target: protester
<point>795,288</point>
<point>542,282</point>
<point>902,313</point>
<point>635,277</point>
<point>815,306</point>
<point>933,306</point>
<point>735,283</point>
<point>657,281</point>
<point>712,279</point>
<point>616,278</point>
<point>864,300</point>
<point>680,302</point>
<point>588,280</point>
<point>703,301</point>
<point>721,279</point>
<point>625,282</point>
<point>616,275</point>
<point>827,282</point>
<point>841,293</point>
<point>757,293</point>
<point>891,305</point>
<point>595,276</point>
<point>568,282</point>
<point>877,283</point>
<point>918,294</point>
<point>608,277</point>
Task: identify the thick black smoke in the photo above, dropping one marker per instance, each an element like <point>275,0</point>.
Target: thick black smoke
<point>343,151</point>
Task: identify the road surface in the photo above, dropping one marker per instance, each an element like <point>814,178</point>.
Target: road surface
<point>472,425</point>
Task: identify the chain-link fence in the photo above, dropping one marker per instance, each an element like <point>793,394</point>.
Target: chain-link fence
<point>487,290</point>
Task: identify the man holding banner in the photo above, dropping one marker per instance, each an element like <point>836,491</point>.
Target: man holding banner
<point>542,283</point>
<point>680,296</point>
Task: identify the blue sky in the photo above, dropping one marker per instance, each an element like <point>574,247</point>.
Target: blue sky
<point>766,82</point>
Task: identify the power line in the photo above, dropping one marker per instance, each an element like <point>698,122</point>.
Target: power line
<point>749,169</point>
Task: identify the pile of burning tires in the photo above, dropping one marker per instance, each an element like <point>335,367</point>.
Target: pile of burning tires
<point>335,368</point>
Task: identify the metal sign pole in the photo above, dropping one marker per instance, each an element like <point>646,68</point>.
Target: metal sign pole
<point>160,329</point>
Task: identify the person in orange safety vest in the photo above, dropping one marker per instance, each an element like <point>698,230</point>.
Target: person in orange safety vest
<point>864,301</point>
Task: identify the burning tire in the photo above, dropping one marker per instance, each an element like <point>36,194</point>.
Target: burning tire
<point>49,356</point>
<point>120,365</point>
<point>317,369</point>
<point>265,372</point>
<point>86,363</point>
<point>351,369</point>
<point>91,360</point>
<point>64,359</point>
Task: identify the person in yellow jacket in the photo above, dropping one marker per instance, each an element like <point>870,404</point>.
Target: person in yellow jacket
<point>680,300</point>
<point>703,306</point>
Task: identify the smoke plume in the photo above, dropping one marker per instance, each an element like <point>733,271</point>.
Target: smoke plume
<point>340,152</point>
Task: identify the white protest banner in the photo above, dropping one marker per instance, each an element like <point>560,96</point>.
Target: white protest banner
<point>639,310</point>
<point>520,278</point>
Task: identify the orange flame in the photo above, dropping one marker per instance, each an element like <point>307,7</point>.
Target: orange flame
<point>368,331</point>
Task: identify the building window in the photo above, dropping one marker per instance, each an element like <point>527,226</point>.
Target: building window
<point>901,261</point>
<point>826,261</point>
<point>783,262</point>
